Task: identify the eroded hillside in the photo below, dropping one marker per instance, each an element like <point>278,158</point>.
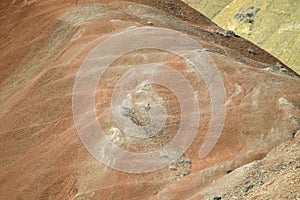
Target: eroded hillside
<point>44,44</point>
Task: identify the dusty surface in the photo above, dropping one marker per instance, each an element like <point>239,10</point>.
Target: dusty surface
<point>43,44</point>
<point>274,177</point>
<point>273,25</point>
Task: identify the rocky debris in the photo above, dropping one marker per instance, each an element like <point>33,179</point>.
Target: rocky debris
<point>275,176</point>
<point>138,104</point>
<point>227,33</point>
<point>137,107</point>
<point>279,68</point>
<point>248,15</point>
<point>181,167</point>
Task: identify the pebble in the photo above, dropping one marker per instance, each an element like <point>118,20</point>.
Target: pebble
<point>149,23</point>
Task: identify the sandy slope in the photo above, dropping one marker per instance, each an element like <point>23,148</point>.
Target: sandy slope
<point>43,44</point>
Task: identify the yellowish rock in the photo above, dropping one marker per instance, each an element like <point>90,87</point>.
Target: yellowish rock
<point>274,25</point>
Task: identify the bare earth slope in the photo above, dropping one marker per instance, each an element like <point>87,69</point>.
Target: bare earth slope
<point>274,177</point>
<point>42,45</point>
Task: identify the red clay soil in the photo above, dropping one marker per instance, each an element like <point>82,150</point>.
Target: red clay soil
<point>43,44</point>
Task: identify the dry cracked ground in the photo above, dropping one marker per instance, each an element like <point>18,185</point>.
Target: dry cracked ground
<point>44,43</point>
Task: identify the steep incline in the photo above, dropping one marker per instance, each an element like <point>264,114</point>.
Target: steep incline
<point>44,43</point>
<point>273,25</point>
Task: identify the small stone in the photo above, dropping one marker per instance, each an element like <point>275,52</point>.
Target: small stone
<point>278,65</point>
<point>185,173</point>
<point>217,198</point>
<point>172,168</point>
<point>296,137</point>
<point>251,51</point>
<point>249,187</point>
<point>149,23</point>
<point>188,161</point>
<point>283,70</point>
<point>187,165</point>
<point>227,33</point>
